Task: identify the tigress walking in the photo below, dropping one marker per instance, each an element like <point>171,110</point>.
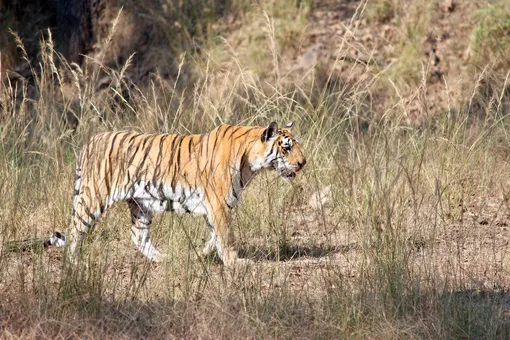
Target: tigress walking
<point>199,174</point>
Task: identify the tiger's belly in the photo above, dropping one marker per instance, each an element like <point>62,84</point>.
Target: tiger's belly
<point>163,198</point>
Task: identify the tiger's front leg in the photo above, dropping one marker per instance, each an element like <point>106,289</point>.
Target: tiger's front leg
<point>210,246</point>
<point>222,235</point>
<point>141,220</point>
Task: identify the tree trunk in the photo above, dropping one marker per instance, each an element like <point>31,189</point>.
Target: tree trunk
<point>75,32</point>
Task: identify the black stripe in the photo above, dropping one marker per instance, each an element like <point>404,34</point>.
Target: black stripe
<point>157,170</point>
<point>207,144</point>
<point>234,193</point>
<point>158,159</point>
<point>234,131</point>
<point>200,148</point>
<point>133,155</point>
<point>82,221</point>
<point>132,190</point>
<point>216,140</point>
<point>172,150</point>
<point>243,134</point>
<point>250,143</point>
<point>147,223</point>
<point>147,190</point>
<point>109,174</point>
<point>147,139</point>
<point>107,182</point>
<point>189,148</point>
<point>131,142</point>
<point>201,139</point>
<point>224,134</point>
<point>161,191</point>
<point>126,134</point>
<point>174,163</point>
<point>76,192</point>
<point>272,148</point>
<point>147,151</point>
<point>121,142</point>
<point>90,215</point>
<point>179,152</point>
<point>228,205</point>
<point>213,156</point>
<point>226,130</point>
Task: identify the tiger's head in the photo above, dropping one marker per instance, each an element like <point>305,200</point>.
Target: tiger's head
<point>281,151</point>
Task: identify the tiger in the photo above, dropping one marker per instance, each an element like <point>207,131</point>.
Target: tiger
<point>201,174</point>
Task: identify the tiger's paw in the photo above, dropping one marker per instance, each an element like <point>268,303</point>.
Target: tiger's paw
<point>230,259</point>
<point>208,250</point>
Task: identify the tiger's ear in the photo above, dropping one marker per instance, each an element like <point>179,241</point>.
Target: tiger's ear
<point>270,132</point>
<point>289,126</point>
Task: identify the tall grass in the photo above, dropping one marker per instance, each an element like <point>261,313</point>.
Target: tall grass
<point>398,250</point>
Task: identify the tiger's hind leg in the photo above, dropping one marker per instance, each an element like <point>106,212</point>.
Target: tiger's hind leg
<point>86,210</point>
<point>141,220</point>
<point>82,221</point>
<point>210,246</point>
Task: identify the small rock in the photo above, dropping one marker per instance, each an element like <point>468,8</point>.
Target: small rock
<point>321,198</point>
<point>310,57</point>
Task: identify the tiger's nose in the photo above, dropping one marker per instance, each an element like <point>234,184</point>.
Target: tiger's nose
<point>301,164</point>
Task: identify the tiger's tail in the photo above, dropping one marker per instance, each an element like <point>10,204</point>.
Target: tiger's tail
<point>77,185</point>
<point>58,239</point>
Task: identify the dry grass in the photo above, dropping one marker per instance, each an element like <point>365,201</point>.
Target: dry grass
<point>411,244</point>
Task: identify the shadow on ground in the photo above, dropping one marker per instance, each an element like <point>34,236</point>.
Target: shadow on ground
<point>289,252</point>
